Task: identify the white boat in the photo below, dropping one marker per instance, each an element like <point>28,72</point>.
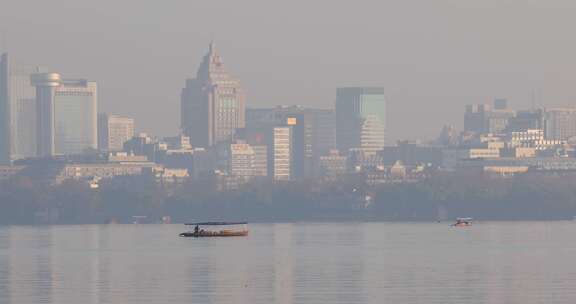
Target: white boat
<point>463,222</point>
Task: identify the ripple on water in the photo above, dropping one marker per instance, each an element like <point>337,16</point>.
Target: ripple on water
<point>492,262</point>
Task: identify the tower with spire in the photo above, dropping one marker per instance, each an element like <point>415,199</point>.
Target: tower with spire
<point>212,104</point>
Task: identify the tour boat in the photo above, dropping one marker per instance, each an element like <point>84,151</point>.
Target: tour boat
<point>216,229</point>
<point>463,222</point>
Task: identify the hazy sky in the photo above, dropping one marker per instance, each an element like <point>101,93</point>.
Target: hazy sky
<point>432,56</point>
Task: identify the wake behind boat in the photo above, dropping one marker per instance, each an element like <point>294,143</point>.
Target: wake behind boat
<point>216,229</point>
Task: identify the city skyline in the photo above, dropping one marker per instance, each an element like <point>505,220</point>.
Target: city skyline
<point>220,133</point>
<point>423,62</point>
<point>287,151</point>
<point>213,110</point>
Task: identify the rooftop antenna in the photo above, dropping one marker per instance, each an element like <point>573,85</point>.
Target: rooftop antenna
<point>539,98</point>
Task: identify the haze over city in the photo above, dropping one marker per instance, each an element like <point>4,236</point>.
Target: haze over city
<point>432,57</point>
<point>256,151</point>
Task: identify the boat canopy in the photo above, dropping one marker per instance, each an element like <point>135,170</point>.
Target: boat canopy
<point>464,219</point>
<point>216,223</point>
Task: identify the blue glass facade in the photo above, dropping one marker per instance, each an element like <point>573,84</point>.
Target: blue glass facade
<point>360,118</point>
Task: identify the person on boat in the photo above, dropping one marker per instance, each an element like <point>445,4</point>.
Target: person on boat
<point>196,229</point>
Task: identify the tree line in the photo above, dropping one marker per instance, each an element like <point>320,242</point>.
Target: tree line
<point>24,200</point>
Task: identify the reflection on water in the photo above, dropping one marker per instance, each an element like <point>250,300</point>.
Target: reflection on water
<point>524,262</point>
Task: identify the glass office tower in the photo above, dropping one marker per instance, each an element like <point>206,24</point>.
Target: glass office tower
<point>17,111</point>
<point>66,115</point>
<point>75,117</point>
<point>360,118</point>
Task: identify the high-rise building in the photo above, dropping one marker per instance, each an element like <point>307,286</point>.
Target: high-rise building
<point>300,138</point>
<point>448,136</point>
<point>526,120</point>
<point>323,123</point>
<point>17,111</point>
<point>281,153</point>
<point>45,84</point>
<point>475,117</point>
<point>75,113</point>
<point>484,118</point>
<point>560,123</point>
<point>212,104</point>
<point>313,133</point>
<point>114,131</point>
<point>360,118</point>
<point>66,112</point>
<point>260,164</point>
<point>498,121</point>
<point>500,104</point>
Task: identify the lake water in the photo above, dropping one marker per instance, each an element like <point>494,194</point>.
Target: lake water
<point>490,262</point>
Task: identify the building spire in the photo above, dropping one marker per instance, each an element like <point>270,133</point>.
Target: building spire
<point>212,47</point>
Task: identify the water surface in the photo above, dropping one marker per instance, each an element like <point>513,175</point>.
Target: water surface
<point>491,262</point>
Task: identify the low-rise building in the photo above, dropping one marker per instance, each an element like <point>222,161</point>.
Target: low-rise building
<point>412,153</point>
<point>7,171</point>
<point>533,138</point>
<point>509,165</point>
<point>123,157</point>
<point>395,174</point>
<point>102,170</point>
<point>398,170</point>
<point>452,158</point>
<point>142,144</point>
<point>332,165</point>
<point>168,175</point>
<point>360,160</point>
<point>506,170</point>
<point>518,152</point>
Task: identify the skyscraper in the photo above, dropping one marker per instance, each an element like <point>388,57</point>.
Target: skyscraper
<point>212,104</point>
<point>17,111</point>
<point>75,113</point>
<point>313,133</point>
<point>360,118</point>
<point>45,84</point>
<point>281,154</point>
<point>66,115</point>
<point>114,131</point>
<point>323,131</point>
<point>526,120</point>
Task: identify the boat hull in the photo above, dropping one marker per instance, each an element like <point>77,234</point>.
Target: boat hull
<point>461,225</point>
<point>214,234</point>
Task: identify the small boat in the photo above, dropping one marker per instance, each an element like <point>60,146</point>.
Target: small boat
<point>463,222</point>
<point>216,229</point>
